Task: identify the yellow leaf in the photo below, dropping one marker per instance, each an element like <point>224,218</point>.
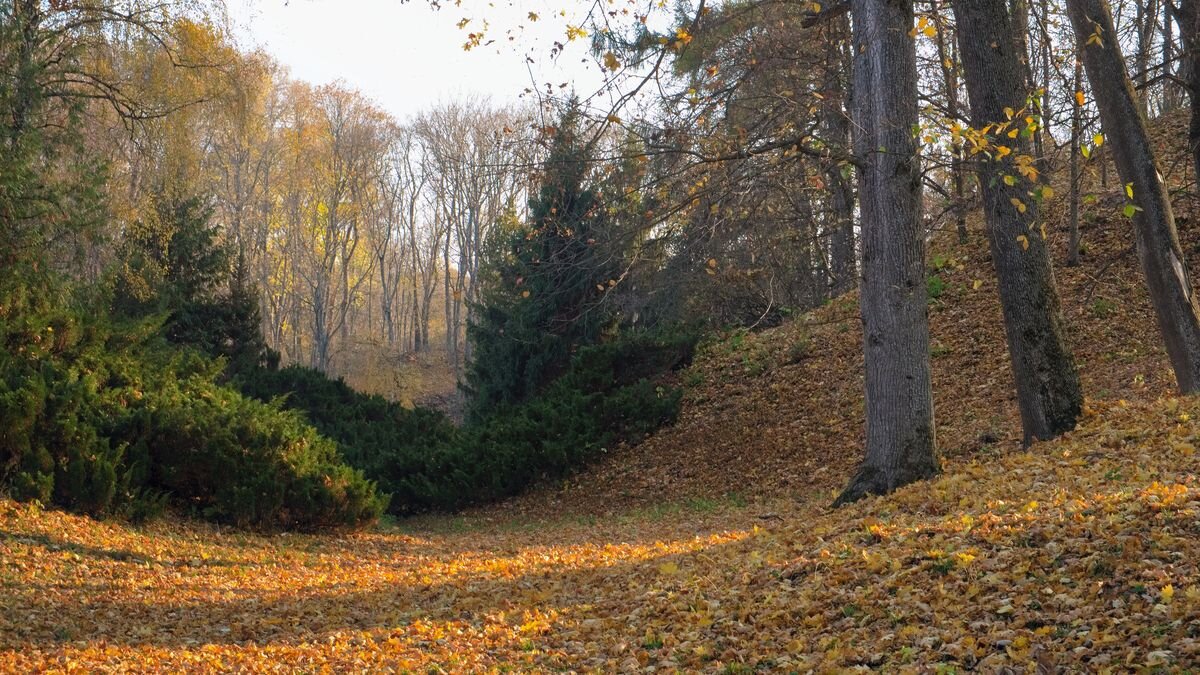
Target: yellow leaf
<point>1167,592</point>
<point>611,61</point>
<point>976,285</point>
<point>1024,242</point>
<point>1047,192</point>
<point>1098,140</point>
<point>1079,97</point>
<point>929,31</point>
<point>669,569</point>
<point>1020,206</point>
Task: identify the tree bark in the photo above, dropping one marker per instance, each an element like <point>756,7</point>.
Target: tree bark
<point>1076,139</point>
<point>1154,224</point>
<point>1188,15</point>
<point>950,82</point>
<point>1048,391</point>
<point>901,446</point>
<point>844,263</point>
<point>1146,19</point>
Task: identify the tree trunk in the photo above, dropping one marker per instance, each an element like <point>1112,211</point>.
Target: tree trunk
<point>1076,139</point>
<point>844,264</point>
<point>1145,21</point>
<point>950,81</point>
<point>1170,92</point>
<point>901,447</point>
<point>1154,224</point>
<point>1189,31</point>
<point>26,90</point>
<point>1048,391</point>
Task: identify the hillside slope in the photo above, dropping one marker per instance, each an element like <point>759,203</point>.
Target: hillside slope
<point>779,413</point>
<point>1077,556</point>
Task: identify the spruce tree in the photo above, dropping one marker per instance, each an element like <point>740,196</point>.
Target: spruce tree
<point>543,282</point>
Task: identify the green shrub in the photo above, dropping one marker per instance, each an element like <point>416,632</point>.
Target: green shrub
<point>606,396</point>
<point>386,441</point>
<point>245,462</point>
<point>104,418</point>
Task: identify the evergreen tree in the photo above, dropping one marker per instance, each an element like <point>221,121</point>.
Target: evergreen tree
<point>179,267</point>
<point>543,282</point>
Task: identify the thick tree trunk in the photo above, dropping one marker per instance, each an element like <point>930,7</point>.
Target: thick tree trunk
<point>1154,224</point>
<point>901,447</point>
<point>1048,391</point>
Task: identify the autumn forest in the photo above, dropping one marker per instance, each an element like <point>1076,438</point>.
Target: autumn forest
<point>739,336</point>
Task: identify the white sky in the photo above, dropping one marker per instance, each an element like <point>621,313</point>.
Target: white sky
<point>407,56</point>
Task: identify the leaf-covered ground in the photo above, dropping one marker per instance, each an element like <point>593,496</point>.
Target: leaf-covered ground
<point>1076,556</point>
<point>710,546</point>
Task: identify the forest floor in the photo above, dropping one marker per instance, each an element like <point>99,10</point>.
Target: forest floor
<point>711,545</point>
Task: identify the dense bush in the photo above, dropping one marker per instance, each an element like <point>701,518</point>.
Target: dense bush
<point>605,397</point>
<point>388,442</point>
<point>98,419</point>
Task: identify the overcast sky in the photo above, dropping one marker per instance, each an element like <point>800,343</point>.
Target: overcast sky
<point>408,56</point>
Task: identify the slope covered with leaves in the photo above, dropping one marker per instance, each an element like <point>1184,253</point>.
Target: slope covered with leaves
<point>1079,555</point>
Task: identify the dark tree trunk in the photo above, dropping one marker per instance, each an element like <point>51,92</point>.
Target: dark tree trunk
<point>1188,15</point>
<point>950,80</point>
<point>1076,139</point>
<point>844,264</point>
<point>901,447</point>
<point>1154,224</point>
<point>1048,391</point>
